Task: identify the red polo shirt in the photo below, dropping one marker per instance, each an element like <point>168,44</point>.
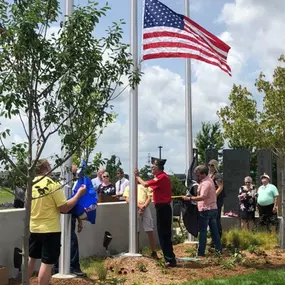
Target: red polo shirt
<point>161,187</point>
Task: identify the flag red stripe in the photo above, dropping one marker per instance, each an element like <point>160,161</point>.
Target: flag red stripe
<point>148,35</point>
<point>212,44</point>
<point>180,45</point>
<point>185,55</point>
<point>210,35</point>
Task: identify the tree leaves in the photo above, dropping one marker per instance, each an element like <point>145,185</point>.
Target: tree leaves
<point>209,137</point>
<point>273,115</point>
<point>145,173</point>
<point>64,82</point>
<point>112,165</point>
<point>245,126</point>
<point>240,120</point>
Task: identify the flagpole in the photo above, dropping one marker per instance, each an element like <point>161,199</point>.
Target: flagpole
<point>64,259</point>
<point>133,135</point>
<point>188,109</point>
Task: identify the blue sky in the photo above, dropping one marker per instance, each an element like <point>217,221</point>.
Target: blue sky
<point>255,31</point>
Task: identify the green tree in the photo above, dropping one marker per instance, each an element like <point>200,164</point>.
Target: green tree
<point>145,173</point>
<point>209,137</point>
<point>19,154</point>
<point>58,85</point>
<point>272,122</point>
<point>111,166</point>
<point>93,165</point>
<point>241,124</point>
<point>240,119</point>
<point>246,127</point>
<point>178,187</point>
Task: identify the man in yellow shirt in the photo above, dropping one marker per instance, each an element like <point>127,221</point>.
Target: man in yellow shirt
<point>144,214</point>
<point>48,201</point>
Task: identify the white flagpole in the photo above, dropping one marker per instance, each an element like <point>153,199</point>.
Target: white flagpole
<point>133,135</point>
<point>188,110</point>
<point>64,259</point>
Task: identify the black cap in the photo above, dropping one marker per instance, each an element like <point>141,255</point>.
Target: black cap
<point>158,162</point>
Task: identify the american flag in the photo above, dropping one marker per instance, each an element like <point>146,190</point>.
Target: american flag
<point>169,34</point>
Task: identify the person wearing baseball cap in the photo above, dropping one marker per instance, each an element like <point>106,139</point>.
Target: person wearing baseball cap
<point>161,188</point>
<point>267,201</point>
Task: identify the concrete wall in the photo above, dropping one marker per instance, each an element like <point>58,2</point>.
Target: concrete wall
<point>11,232</point>
<point>112,217</point>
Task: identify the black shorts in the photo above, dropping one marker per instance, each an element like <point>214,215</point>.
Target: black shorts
<point>266,215</point>
<point>247,216</point>
<point>45,246</point>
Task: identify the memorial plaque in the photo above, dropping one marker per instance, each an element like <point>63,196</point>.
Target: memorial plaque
<point>211,154</point>
<point>264,161</point>
<point>236,166</point>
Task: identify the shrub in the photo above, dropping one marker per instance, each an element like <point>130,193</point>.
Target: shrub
<point>243,240</point>
<point>101,271</point>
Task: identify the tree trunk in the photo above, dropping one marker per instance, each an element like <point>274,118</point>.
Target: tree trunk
<point>25,248</point>
<point>282,226</point>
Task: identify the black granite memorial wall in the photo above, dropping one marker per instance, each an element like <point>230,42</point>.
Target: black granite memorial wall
<point>264,161</point>
<point>211,154</point>
<point>236,166</point>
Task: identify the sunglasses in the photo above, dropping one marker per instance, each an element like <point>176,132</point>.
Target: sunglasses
<point>210,164</point>
<point>106,176</point>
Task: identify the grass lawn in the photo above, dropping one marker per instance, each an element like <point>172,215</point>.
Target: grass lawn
<point>5,196</point>
<point>266,277</point>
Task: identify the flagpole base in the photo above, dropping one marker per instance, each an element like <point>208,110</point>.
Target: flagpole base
<point>63,276</point>
<point>191,242</point>
<point>129,254</point>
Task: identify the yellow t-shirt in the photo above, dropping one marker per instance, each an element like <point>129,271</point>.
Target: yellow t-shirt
<point>143,193</point>
<point>45,214</point>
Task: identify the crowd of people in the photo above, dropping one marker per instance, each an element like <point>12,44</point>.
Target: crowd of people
<point>49,202</point>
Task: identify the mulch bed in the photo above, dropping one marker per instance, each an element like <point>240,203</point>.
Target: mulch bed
<point>144,270</point>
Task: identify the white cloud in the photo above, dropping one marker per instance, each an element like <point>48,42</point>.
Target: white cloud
<point>253,29</point>
<point>242,12</point>
<point>161,118</point>
<point>257,28</point>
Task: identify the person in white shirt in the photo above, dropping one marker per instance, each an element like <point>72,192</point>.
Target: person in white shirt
<point>121,184</point>
<point>99,179</point>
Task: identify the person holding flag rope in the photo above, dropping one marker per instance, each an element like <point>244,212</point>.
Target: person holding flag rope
<point>161,187</point>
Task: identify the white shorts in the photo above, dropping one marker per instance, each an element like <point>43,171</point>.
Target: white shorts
<point>146,220</point>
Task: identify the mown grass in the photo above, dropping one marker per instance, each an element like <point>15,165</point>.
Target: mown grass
<point>5,196</point>
<point>266,277</point>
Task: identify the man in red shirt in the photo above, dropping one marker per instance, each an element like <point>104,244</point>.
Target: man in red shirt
<point>161,187</point>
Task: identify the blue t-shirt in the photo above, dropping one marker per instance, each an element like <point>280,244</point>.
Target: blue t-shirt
<point>266,194</point>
